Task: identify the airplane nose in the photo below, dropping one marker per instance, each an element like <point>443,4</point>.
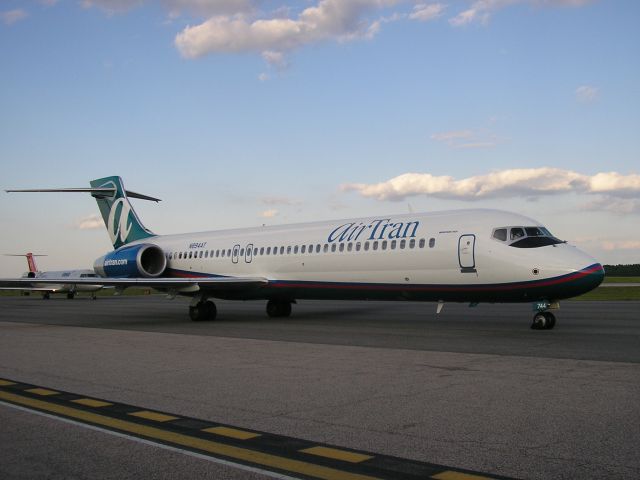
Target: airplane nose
<point>589,277</point>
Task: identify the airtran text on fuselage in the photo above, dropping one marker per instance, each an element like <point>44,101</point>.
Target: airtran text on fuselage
<point>379,229</point>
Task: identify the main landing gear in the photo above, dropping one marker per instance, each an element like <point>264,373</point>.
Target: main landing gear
<point>202,310</point>
<point>278,308</point>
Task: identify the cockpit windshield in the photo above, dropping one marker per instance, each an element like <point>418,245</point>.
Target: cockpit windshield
<point>525,237</point>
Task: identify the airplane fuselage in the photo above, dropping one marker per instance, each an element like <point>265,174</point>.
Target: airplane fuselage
<point>448,256</point>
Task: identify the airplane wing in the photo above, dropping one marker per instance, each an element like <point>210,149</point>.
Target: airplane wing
<point>183,285</point>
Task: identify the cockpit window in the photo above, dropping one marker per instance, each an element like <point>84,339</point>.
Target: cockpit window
<point>525,237</point>
<point>516,233</point>
<point>500,234</point>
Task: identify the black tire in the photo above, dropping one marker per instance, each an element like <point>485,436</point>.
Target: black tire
<point>203,311</point>
<point>70,295</point>
<point>551,320</point>
<point>46,296</point>
<point>278,308</point>
<point>539,321</point>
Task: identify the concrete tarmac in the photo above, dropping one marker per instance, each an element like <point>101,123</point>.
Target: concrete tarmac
<point>472,388</point>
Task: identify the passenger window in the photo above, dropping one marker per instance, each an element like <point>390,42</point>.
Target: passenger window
<point>358,245</point>
<point>229,252</point>
<point>201,253</point>
<point>500,234</point>
<point>303,249</point>
<point>432,242</point>
<point>384,245</point>
<point>242,252</point>
<point>333,247</point>
<point>180,255</point>
<point>289,250</point>
<point>255,252</point>
<point>190,254</point>
<point>206,254</point>
<point>422,242</point>
<point>412,243</point>
<point>310,249</point>
<point>326,248</point>
<point>222,253</point>
<point>349,247</point>
<point>282,250</point>
<point>217,253</point>
<point>295,249</point>
<point>393,244</point>
<point>517,233</point>
<point>375,245</point>
<point>342,247</point>
<point>318,248</point>
<point>403,243</point>
<point>366,246</point>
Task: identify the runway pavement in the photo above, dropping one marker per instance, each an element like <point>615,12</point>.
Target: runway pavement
<point>471,388</point>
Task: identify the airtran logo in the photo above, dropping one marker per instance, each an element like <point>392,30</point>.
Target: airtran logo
<point>119,224</point>
<point>379,229</point>
<point>115,262</point>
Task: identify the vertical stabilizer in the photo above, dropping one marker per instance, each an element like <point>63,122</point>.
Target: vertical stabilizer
<point>121,220</point>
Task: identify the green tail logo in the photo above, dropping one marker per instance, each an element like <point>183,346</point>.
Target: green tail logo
<point>121,220</point>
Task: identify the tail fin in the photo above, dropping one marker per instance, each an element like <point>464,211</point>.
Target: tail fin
<point>121,220</point>
<point>33,268</point>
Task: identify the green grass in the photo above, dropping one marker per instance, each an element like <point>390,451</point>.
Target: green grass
<point>611,293</point>
<point>621,279</point>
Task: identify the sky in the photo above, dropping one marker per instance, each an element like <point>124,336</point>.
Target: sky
<point>238,113</point>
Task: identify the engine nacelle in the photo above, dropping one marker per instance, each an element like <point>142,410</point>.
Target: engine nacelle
<point>134,261</point>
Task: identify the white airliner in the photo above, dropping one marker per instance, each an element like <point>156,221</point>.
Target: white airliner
<point>455,256</point>
<point>47,289</point>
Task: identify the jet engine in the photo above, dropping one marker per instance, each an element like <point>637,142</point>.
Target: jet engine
<point>133,261</point>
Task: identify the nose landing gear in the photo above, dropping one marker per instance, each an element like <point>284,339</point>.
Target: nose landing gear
<point>543,321</point>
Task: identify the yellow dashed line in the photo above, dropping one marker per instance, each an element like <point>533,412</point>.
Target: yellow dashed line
<point>242,454</point>
<point>231,432</point>
<point>4,383</point>
<point>90,402</point>
<point>451,475</point>
<point>337,454</point>
<point>155,416</point>
<point>42,391</point>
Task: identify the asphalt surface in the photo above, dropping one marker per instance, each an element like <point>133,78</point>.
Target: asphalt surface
<point>473,388</point>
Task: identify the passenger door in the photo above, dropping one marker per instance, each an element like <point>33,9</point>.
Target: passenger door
<point>466,253</point>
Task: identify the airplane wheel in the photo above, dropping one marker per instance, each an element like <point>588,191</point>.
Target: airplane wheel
<point>46,296</point>
<point>539,321</point>
<point>203,311</point>
<point>551,320</point>
<point>70,295</point>
<point>278,308</point>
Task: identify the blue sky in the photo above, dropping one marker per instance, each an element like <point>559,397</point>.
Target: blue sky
<point>240,112</point>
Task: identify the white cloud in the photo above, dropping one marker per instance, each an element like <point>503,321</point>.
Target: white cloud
<point>10,17</point>
<point>621,206</point>
<point>526,182</point>
<point>276,60</point>
<point>90,222</point>
<point>611,245</point>
<point>329,20</point>
<point>466,139</point>
<point>586,93</point>
<point>423,12</point>
<point>480,11</point>
<point>263,77</point>
<point>280,201</point>
<point>269,213</point>
<point>112,6</point>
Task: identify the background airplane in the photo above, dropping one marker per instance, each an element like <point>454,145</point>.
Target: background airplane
<point>71,289</point>
<point>458,256</point>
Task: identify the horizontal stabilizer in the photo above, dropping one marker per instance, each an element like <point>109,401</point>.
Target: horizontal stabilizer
<point>100,192</point>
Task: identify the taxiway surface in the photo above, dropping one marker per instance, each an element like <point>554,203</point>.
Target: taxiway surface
<point>473,388</point>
